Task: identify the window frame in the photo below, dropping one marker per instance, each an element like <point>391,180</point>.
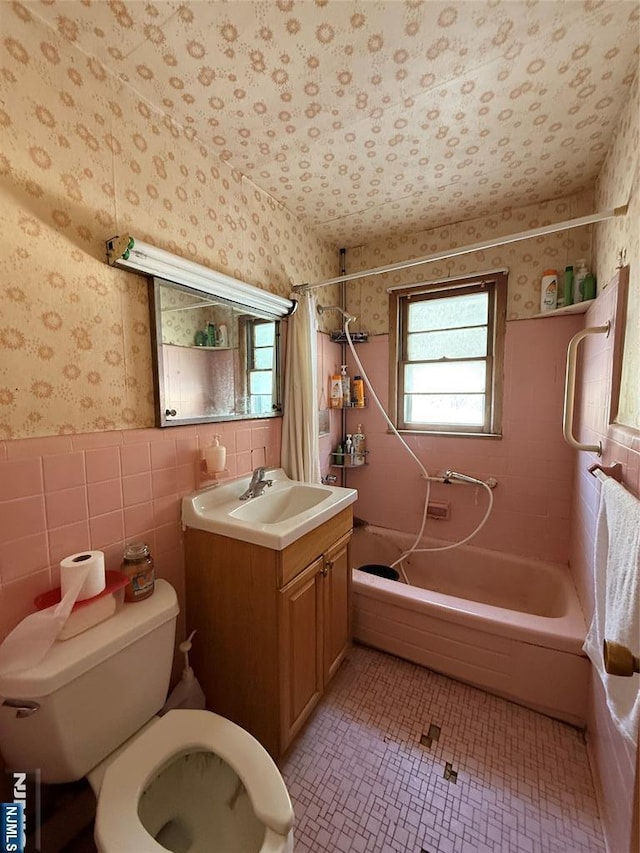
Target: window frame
<point>250,334</point>
<point>495,284</point>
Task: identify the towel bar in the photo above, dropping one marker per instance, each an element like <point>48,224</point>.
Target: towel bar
<point>619,660</point>
<point>601,472</point>
<point>570,387</point>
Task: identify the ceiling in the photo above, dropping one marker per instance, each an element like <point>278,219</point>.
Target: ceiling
<point>369,118</point>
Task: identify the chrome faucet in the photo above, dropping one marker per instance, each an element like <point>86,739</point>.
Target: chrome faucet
<point>257,484</point>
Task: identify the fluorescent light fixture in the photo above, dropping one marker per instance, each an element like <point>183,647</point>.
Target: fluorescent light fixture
<point>132,254</point>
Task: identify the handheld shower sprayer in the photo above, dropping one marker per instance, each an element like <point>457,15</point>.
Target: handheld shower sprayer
<point>463,478</point>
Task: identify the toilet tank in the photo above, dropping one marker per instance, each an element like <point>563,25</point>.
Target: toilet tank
<point>91,692</point>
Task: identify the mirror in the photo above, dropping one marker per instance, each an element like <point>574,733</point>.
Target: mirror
<point>214,360</point>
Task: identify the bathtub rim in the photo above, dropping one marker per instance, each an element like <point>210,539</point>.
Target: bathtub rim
<point>563,633</point>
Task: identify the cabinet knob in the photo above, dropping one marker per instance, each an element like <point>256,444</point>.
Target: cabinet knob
<point>326,566</point>
<point>170,413</point>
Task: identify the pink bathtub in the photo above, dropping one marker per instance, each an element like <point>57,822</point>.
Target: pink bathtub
<point>503,623</point>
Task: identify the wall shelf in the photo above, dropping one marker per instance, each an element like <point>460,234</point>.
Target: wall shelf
<point>361,456</point>
<point>576,308</point>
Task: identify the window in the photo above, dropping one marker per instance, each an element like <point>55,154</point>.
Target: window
<point>446,355</point>
<point>261,349</point>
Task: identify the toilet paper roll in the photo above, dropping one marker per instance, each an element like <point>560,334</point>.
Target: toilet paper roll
<point>89,561</point>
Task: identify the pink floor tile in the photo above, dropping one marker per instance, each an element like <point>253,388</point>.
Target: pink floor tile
<point>360,779</point>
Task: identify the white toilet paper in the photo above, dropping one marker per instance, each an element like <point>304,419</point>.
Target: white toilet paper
<point>32,638</point>
<point>70,568</point>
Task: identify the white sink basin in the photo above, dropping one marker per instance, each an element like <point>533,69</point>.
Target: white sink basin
<point>283,513</point>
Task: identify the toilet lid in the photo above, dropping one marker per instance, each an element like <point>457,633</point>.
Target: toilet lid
<point>118,827</point>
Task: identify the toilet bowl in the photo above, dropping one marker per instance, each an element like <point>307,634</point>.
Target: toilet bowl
<point>193,782</point>
<point>188,781</point>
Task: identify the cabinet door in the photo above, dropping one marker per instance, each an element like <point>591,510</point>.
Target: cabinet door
<point>337,605</point>
<point>301,616</point>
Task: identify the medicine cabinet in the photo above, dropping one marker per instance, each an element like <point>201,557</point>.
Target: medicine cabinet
<point>214,360</point>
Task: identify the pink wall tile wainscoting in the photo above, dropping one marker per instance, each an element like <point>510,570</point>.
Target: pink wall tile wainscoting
<point>64,494</point>
<point>612,757</point>
<point>531,461</point>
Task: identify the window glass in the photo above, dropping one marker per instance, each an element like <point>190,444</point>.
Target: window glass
<point>446,368</point>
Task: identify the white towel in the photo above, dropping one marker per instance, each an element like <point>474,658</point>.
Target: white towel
<point>616,614</point>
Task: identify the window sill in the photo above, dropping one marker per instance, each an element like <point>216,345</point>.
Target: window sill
<point>447,433</point>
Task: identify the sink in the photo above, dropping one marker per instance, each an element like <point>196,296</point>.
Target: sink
<point>281,505</point>
<point>281,515</point>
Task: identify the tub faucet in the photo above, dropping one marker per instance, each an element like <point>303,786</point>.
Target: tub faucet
<point>257,484</point>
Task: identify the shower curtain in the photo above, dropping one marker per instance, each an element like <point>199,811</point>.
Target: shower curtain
<point>300,422</point>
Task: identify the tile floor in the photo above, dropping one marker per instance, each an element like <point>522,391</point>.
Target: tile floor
<point>360,779</point>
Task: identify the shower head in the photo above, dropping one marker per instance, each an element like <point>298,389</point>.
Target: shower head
<point>322,308</point>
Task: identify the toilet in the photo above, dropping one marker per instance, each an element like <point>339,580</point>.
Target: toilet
<point>189,781</point>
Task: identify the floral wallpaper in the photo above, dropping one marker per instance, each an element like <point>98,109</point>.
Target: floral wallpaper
<point>619,182</point>
<point>526,260</point>
<point>369,117</point>
<point>155,119</point>
<point>85,157</point>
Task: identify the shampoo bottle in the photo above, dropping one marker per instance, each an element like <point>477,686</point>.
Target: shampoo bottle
<point>568,285</point>
<point>549,290</point>
<point>335,396</point>
<point>346,386</point>
<point>358,392</point>
<point>579,275</point>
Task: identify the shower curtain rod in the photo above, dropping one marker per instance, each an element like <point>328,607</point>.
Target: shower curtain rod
<point>473,247</point>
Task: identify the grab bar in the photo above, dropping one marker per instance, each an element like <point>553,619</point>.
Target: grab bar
<point>570,387</point>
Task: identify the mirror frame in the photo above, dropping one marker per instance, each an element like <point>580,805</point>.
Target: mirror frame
<point>163,418</point>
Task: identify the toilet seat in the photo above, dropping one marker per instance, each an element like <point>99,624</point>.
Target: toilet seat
<point>118,826</point>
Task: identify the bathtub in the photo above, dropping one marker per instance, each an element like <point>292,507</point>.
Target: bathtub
<point>509,625</point>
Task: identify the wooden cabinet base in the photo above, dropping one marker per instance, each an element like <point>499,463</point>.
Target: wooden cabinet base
<point>272,626</point>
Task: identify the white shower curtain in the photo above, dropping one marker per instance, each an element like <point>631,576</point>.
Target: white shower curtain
<point>300,422</point>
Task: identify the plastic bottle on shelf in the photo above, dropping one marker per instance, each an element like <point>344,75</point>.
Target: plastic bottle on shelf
<point>339,455</point>
<point>358,392</point>
<point>335,397</point>
<point>549,290</point>
<point>346,386</point>
<point>568,285</point>
<point>359,446</point>
<point>579,274</point>
<point>348,450</point>
<point>589,286</point>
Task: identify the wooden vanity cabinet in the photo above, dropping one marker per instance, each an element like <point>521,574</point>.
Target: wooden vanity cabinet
<point>272,626</point>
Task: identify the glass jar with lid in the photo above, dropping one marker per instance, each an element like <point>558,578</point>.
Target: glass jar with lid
<point>137,565</point>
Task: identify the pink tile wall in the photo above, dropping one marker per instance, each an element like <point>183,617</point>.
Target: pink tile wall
<point>531,462</point>
<point>64,494</point>
<point>613,760</point>
<point>329,355</point>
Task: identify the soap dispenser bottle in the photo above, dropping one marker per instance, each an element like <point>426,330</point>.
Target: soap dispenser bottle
<point>215,456</point>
